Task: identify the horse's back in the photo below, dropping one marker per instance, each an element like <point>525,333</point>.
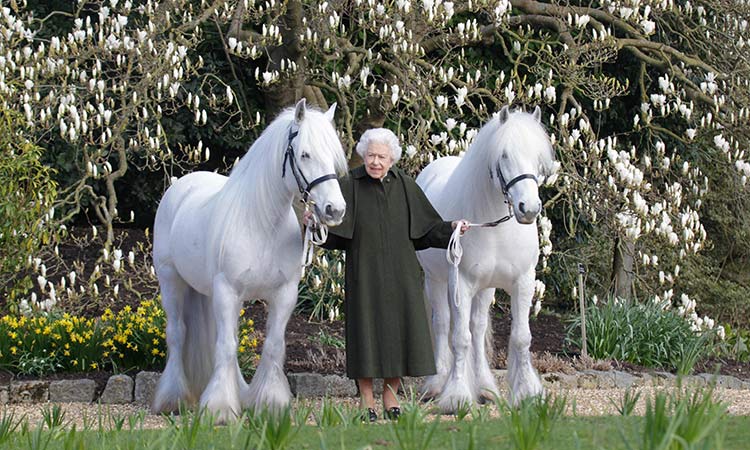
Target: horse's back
<point>434,177</point>
<point>433,180</point>
<point>184,199</point>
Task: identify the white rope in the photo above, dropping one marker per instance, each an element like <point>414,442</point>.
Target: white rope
<point>453,255</point>
<point>316,233</point>
<point>455,252</point>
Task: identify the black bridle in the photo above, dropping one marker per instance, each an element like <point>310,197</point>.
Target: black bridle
<point>506,188</point>
<point>303,185</point>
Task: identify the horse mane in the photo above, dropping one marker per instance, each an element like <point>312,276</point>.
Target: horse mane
<point>521,137</point>
<point>255,192</point>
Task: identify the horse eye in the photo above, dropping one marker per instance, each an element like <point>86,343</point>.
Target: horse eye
<point>305,155</point>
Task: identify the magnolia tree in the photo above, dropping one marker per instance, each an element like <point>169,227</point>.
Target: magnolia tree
<point>642,98</point>
<point>103,86</point>
<point>100,77</point>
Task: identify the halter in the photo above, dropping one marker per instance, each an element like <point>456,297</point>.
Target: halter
<point>303,185</point>
<point>455,252</point>
<point>317,232</point>
<point>506,193</point>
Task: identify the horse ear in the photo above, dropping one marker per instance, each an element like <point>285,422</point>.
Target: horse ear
<point>331,112</point>
<point>299,111</point>
<point>504,114</point>
<point>537,113</point>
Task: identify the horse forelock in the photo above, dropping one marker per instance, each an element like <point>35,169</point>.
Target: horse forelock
<point>318,135</point>
<point>522,138</point>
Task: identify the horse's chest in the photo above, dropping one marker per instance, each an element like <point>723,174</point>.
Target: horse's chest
<point>264,265</point>
<point>498,260</point>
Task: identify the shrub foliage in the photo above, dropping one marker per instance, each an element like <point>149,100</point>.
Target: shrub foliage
<point>647,334</point>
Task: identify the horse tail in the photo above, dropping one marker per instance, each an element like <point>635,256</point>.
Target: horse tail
<point>200,336</point>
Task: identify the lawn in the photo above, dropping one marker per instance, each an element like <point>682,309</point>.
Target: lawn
<point>671,421</point>
<point>568,433</point>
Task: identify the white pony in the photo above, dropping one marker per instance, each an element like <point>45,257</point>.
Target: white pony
<point>502,167</point>
<point>220,240</point>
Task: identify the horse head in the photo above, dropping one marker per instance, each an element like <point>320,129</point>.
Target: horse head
<point>523,158</point>
<point>314,157</point>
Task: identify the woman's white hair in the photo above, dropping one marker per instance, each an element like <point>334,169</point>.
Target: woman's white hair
<point>381,136</point>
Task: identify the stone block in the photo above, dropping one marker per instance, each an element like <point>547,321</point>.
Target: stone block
<point>624,380</point>
<point>28,391</point>
<point>559,380</point>
<point>119,389</point>
<point>588,380</point>
<point>643,380</point>
<point>145,386</point>
<point>72,391</point>
<point>663,379</point>
<point>307,384</point>
<point>605,379</point>
<point>722,381</point>
<point>692,381</point>
<point>3,395</point>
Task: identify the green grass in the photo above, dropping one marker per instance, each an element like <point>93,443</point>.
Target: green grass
<point>569,433</point>
<point>681,419</point>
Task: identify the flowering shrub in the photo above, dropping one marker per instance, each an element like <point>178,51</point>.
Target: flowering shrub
<point>129,339</point>
<point>43,344</point>
<point>247,355</point>
<point>27,193</point>
<point>135,338</point>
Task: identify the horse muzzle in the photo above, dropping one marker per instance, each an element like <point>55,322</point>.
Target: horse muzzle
<point>331,214</point>
<point>526,212</point>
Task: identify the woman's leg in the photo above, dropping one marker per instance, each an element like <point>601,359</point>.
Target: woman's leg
<point>390,389</point>
<point>365,393</point>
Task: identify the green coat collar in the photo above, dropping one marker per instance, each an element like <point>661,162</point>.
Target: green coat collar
<point>361,172</point>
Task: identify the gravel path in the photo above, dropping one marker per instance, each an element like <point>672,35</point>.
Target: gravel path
<point>587,402</point>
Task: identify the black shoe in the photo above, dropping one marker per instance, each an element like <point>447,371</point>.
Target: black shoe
<point>370,416</point>
<point>392,413</point>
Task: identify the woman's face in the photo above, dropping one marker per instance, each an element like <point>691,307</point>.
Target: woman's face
<point>378,160</point>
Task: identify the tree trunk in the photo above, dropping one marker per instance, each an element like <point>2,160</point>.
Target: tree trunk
<point>623,264</point>
<point>288,89</point>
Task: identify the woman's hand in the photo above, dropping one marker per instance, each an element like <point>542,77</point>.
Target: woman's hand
<point>464,224</point>
<point>307,218</point>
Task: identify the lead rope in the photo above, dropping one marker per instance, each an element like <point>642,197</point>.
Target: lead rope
<point>455,252</point>
<point>316,233</point>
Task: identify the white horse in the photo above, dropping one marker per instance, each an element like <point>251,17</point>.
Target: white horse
<point>220,240</point>
<point>502,167</point>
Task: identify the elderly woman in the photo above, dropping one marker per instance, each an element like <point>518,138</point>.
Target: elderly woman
<point>387,219</point>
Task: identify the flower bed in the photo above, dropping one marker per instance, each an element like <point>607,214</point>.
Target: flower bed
<point>131,339</point>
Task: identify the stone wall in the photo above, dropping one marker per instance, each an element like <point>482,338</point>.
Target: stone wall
<point>124,389</point>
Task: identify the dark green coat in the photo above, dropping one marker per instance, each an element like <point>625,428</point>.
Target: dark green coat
<point>387,332</point>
